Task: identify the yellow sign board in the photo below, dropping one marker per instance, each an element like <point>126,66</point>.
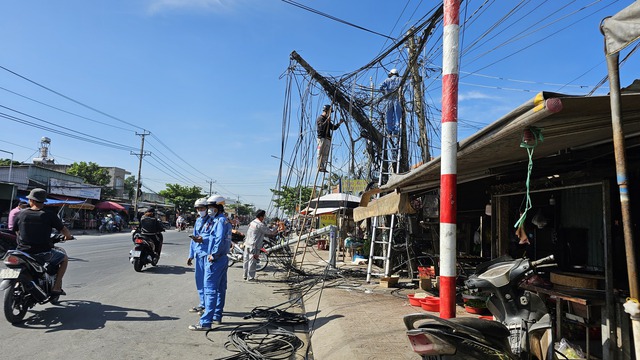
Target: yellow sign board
<point>353,186</point>
<point>327,219</point>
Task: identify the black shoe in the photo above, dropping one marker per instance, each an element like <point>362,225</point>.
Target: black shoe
<point>58,293</point>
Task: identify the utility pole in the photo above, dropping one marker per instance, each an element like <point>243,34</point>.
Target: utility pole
<point>416,80</point>
<point>138,184</point>
<point>211,182</point>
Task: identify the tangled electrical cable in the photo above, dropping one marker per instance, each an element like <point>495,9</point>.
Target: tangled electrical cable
<point>277,316</point>
<point>262,342</point>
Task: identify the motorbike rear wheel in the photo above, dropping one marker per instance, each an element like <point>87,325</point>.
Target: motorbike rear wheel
<point>15,307</point>
<point>137,264</point>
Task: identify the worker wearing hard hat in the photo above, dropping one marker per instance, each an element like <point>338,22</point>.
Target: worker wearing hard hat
<point>393,114</point>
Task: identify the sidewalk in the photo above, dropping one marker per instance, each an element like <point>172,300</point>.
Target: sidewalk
<point>350,319</point>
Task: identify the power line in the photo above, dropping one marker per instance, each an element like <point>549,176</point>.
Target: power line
<point>307,8</point>
<point>70,99</point>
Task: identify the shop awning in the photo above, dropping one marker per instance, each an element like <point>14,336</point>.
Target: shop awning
<point>74,204</point>
<point>393,203</point>
<point>567,123</point>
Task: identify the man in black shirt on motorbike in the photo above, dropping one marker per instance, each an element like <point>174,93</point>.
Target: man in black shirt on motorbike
<point>149,224</point>
<point>33,226</point>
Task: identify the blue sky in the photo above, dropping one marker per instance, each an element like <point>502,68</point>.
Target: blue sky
<point>205,77</point>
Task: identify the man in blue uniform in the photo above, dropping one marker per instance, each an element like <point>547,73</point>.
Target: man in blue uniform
<point>198,249</point>
<point>215,274</point>
<point>393,115</point>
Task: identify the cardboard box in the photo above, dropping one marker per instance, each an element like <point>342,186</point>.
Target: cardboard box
<point>389,281</point>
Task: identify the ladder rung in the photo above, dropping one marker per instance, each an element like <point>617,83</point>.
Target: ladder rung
<point>383,227</point>
<point>377,274</point>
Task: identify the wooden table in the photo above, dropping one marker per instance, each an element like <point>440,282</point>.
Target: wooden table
<point>584,297</point>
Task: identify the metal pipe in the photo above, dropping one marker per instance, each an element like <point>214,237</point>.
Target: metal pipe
<point>621,175</point>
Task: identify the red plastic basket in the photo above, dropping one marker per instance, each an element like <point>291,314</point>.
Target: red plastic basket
<point>431,304</point>
<point>413,300</point>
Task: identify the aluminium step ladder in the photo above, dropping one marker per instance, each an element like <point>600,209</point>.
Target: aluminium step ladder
<point>389,163</point>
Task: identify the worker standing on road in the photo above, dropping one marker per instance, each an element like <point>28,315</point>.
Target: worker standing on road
<point>252,245</point>
<point>325,127</point>
<point>198,249</point>
<point>215,274</point>
<point>389,87</point>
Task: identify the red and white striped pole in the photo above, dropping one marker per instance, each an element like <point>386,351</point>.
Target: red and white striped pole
<point>448,163</point>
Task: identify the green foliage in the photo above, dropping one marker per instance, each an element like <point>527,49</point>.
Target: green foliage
<point>289,198</point>
<point>93,174</point>
<point>130,187</point>
<point>6,162</point>
<point>182,196</point>
<point>241,209</point>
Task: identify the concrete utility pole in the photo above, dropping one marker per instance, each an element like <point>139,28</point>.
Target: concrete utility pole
<point>211,182</point>
<point>449,152</point>
<point>418,105</point>
<point>140,156</point>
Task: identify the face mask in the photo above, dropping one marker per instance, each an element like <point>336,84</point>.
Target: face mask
<point>212,211</point>
<point>202,213</point>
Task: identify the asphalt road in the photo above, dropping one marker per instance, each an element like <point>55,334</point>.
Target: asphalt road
<point>111,311</point>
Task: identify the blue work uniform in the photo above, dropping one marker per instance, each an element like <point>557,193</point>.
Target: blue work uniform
<point>394,110</point>
<point>199,251</point>
<point>215,274</point>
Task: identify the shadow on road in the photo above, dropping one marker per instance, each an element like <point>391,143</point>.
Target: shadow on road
<point>85,315</point>
<point>168,270</point>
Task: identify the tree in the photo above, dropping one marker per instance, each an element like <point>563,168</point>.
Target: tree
<point>289,198</point>
<point>6,162</point>
<point>93,174</point>
<point>182,196</point>
<point>130,187</point>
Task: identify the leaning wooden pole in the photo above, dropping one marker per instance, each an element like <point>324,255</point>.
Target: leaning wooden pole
<point>369,131</point>
<point>448,169</point>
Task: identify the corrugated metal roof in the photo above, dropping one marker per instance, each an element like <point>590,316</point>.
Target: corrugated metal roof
<point>567,122</point>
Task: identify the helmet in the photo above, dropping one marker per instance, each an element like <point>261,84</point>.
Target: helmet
<point>202,202</point>
<point>326,107</point>
<point>393,72</point>
<point>215,200</point>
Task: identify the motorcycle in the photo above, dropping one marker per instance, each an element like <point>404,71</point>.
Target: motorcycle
<point>144,251</point>
<point>27,282</point>
<point>107,225</point>
<point>236,252</point>
<point>7,241</point>
<point>522,330</point>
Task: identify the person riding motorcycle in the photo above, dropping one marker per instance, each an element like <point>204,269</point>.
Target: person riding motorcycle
<point>150,225</point>
<point>33,226</point>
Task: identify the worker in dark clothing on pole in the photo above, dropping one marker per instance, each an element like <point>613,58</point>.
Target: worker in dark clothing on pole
<point>325,127</point>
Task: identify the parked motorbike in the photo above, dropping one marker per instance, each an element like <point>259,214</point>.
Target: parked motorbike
<point>237,250</point>
<point>27,282</point>
<point>522,329</point>
<point>144,251</point>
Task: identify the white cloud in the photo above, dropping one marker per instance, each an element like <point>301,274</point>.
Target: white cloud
<point>474,95</point>
<point>159,6</point>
